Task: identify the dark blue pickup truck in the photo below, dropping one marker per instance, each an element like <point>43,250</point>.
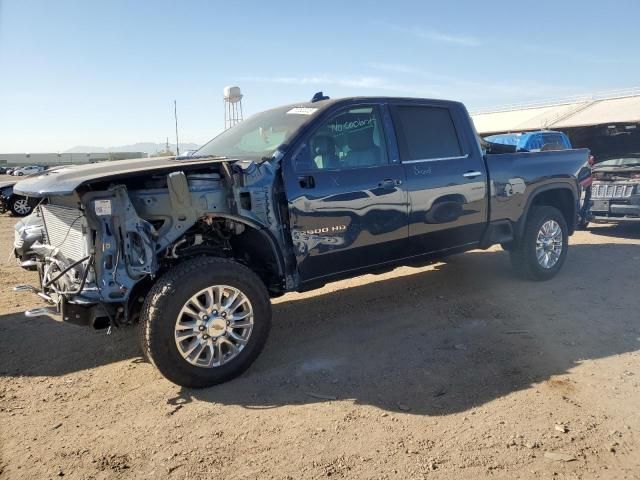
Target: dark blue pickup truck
<point>287,200</point>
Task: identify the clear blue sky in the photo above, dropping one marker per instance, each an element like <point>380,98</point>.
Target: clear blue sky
<point>105,73</point>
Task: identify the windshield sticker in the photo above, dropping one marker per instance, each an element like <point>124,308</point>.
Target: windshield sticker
<point>302,111</point>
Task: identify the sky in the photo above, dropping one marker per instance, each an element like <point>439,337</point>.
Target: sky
<point>105,73</point>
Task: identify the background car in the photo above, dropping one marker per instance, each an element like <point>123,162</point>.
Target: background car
<point>28,170</point>
<point>533,141</point>
<point>19,205</point>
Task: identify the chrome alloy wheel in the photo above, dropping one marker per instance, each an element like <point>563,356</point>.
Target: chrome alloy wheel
<point>214,326</point>
<point>549,244</point>
<point>21,206</point>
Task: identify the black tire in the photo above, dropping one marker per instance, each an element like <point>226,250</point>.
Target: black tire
<point>524,259</point>
<point>167,297</point>
<point>21,206</point>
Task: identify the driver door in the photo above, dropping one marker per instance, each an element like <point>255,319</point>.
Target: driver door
<point>347,203</point>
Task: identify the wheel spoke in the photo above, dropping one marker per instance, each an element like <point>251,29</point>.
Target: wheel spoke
<point>240,316</point>
<point>230,299</point>
<point>236,337</point>
<point>184,334</point>
<point>232,346</point>
<point>187,310</point>
<point>241,302</point>
<point>195,354</point>
<point>246,324</point>
<point>192,346</point>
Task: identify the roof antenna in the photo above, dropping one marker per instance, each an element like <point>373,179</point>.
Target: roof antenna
<point>319,96</point>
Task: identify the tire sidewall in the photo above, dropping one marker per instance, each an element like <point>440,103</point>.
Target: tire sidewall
<point>542,215</point>
<point>165,308</point>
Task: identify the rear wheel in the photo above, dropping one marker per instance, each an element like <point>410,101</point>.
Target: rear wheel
<point>205,321</point>
<point>542,250</point>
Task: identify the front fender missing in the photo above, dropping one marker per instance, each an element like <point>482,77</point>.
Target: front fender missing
<point>125,244</point>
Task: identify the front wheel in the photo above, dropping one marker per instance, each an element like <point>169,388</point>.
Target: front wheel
<point>205,321</point>
<point>542,250</point>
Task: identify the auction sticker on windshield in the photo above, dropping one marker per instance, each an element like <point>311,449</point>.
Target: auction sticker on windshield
<point>302,111</point>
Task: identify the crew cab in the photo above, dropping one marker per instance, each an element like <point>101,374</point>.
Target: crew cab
<point>292,198</point>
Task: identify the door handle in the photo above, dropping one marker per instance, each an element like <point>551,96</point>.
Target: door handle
<point>389,184</point>
<point>471,174</point>
<point>306,181</point>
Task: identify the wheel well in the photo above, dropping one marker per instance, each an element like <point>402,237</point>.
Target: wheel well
<point>228,238</point>
<point>254,250</point>
<point>563,200</point>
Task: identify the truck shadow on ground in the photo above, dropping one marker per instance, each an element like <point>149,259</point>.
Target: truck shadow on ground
<point>624,230</point>
<point>439,341</point>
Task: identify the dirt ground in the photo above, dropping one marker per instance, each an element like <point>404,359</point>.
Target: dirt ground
<point>456,370</point>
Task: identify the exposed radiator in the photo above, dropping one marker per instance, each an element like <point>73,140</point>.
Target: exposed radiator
<point>64,227</point>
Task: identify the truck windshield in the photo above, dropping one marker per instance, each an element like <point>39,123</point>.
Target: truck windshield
<point>258,136</point>
<point>620,162</point>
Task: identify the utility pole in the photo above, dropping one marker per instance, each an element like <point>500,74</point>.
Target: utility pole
<point>175,115</point>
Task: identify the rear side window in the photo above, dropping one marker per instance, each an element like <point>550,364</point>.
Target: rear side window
<point>425,133</point>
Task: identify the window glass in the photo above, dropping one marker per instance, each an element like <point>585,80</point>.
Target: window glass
<point>351,139</point>
<point>426,133</point>
<point>260,135</point>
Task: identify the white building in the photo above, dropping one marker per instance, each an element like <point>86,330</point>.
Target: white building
<point>23,159</point>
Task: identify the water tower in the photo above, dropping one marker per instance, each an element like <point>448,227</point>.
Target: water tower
<point>232,106</point>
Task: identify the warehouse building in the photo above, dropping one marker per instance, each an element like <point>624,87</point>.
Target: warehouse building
<point>52,159</point>
<point>608,123</point>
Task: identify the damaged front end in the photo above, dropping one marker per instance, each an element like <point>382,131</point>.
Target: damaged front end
<point>90,256</point>
<point>103,241</point>
<point>615,191</point>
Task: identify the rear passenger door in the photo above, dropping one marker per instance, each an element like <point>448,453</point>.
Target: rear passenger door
<point>445,174</point>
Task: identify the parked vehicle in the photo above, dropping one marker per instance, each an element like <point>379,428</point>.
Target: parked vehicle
<point>615,190</point>
<point>533,141</point>
<point>28,170</point>
<point>287,200</point>
<point>19,205</point>
<point>9,171</point>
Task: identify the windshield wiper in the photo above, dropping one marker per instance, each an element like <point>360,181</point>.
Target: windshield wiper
<point>628,165</point>
<point>200,157</point>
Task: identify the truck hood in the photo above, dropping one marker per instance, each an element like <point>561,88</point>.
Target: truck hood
<point>65,180</point>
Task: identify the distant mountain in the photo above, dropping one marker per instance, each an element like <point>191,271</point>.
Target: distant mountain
<point>147,147</point>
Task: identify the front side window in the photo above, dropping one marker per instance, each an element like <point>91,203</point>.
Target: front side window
<point>425,133</point>
<point>351,139</point>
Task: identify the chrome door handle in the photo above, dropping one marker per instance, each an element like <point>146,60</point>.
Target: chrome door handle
<point>471,174</point>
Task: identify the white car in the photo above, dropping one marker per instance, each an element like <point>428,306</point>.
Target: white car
<point>28,170</point>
